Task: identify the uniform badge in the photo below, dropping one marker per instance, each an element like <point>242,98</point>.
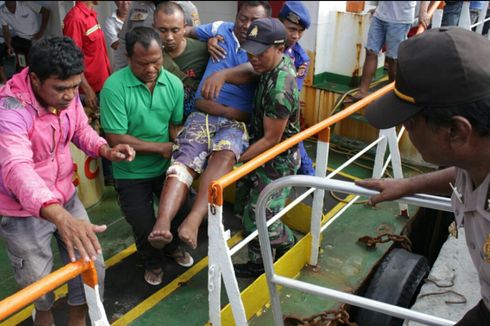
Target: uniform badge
<point>254,32</point>
<point>486,249</point>
<point>293,17</point>
<point>453,229</point>
<point>138,16</point>
<point>301,71</point>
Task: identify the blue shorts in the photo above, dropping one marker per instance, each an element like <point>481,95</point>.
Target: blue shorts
<point>204,134</point>
<point>391,34</point>
<point>28,242</point>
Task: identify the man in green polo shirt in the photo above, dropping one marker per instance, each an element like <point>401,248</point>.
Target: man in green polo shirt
<point>142,105</point>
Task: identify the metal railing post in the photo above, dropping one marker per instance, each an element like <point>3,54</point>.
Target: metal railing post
<point>323,145</point>
<point>220,264</point>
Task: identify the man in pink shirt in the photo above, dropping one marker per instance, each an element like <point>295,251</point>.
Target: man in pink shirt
<point>40,114</point>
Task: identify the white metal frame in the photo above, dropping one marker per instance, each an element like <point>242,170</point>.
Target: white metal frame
<point>220,263</point>
<point>273,279</point>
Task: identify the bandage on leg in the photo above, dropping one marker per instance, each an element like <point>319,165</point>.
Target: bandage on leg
<point>180,172</point>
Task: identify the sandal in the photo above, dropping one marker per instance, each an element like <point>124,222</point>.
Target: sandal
<point>154,276</point>
<point>181,257</point>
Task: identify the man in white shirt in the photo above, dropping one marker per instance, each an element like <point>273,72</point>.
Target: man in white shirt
<point>22,18</point>
<point>114,23</point>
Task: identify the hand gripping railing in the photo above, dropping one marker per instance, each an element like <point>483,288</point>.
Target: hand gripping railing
<point>273,279</point>
<point>50,282</point>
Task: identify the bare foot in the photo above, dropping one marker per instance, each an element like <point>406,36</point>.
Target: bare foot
<point>160,236</point>
<point>188,232</point>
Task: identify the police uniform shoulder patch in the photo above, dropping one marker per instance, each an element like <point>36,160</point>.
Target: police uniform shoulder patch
<point>301,71</point>
<point>138,15</point>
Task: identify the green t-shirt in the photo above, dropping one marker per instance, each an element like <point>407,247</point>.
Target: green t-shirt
<point>128,108</point>
<point>191,63</point>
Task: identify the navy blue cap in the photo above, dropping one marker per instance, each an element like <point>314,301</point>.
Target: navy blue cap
<point>296,12</point>
<point>264,33</point>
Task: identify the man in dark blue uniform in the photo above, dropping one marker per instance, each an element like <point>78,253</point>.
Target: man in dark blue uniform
<point>296,18</point>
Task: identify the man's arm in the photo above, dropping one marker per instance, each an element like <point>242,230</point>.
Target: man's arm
<point>8,40</point>
<point>44,23</point>
<point>190,31</point>
<point>423,16</point>
<point>220,110</point>
<point>90,96</point>
<point>76,234</point>
<point>436,183</point>
<point>273,131</point>
<point>238,75</point>
<point>141,146</point>
<point>174,130</point>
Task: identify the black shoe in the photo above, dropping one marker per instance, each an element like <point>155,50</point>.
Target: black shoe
<point>248,270</point>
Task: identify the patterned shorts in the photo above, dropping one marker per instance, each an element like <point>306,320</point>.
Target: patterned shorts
<point>203,134</point>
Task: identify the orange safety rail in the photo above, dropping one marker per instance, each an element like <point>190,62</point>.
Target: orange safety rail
<point>48,283</point>
<point>215,191</point>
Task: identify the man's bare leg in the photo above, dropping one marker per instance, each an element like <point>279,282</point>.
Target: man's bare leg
<point>219,164</point>
<point>368,70</point>
<point>44,318</point>
<point>173,196</point>
<point>77,315</point>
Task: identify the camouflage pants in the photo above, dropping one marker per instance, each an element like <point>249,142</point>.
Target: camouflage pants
<point>281,237</point>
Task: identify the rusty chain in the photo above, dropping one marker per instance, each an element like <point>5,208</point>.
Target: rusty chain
<point>322,319</point>
<point>371,242</point>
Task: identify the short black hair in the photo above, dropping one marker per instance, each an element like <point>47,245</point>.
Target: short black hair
<point>477,113</point>
<point>169,8</point>
<point>142,35</point>
<point>265,4</point>
<point>55,56</point>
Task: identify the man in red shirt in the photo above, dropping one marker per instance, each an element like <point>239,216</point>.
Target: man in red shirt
<point>81,25</point>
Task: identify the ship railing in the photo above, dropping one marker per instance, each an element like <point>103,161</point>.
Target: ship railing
<point>57,278</point>
<point>219,254</point>
<point>465,17</point>
<point>274,280</point>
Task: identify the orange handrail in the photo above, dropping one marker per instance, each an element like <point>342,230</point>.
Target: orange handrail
<point>215,189</point>
<point>48,283</point>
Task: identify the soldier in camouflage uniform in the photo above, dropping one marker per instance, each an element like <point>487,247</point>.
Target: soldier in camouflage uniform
<point>275,118</point>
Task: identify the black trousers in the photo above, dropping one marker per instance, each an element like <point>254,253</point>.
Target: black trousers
<point>477,316</point>
<point>136,198</point>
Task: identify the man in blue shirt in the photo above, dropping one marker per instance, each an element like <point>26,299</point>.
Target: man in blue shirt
<point>214,135</point>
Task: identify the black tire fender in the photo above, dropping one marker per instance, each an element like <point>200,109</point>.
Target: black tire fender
<point>396,281</point>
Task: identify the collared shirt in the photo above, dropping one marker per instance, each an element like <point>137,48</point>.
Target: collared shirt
<point>301,61</point>
<point>36,165</point>
<point>24,22</point>
<point>81,25</point>
<point>128,108</point>
<point>472,211</point>
<point>237,96</point>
